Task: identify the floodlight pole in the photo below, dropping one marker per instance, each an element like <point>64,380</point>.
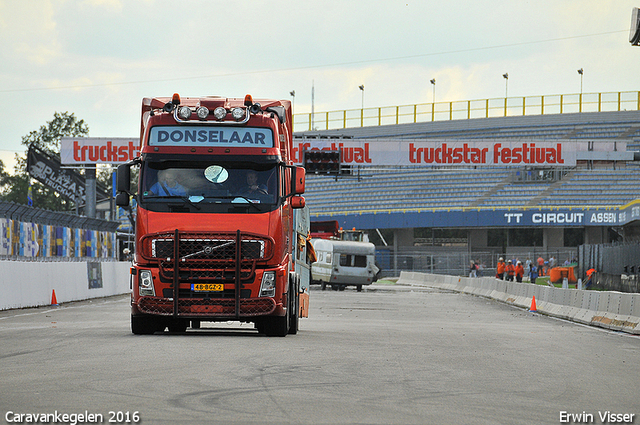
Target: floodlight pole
<point>506,91</point>
<point>433,82</point>
<point>581,72</point>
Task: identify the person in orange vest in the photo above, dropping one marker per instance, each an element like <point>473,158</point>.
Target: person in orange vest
<point>519,272</point>
<point>511,270</point>
<point>540,264</point>
<point>500,269</point>
<point>590,275</point>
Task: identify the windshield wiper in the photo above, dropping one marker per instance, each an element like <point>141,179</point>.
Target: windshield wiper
<point>248,201</point>
<point>185,199</point>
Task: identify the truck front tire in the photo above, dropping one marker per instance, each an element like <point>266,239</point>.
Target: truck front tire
<point>277,325</point>
<point>145,325</point>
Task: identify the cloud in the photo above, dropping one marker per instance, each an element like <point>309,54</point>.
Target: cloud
<point>29,31</point>
<point>108,4</point>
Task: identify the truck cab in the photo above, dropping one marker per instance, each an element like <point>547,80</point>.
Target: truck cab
<point>214,221</point>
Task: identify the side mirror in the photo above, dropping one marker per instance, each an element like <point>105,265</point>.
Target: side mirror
<point>298,177</point>
<point>122,199</point>
<point>123,179</point>
<point>297,202</point>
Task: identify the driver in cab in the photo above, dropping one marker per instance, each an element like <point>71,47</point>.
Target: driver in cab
<point>252,187</point>
<point>167,184</point>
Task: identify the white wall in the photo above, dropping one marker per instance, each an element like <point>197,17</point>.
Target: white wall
<point>31,284</point>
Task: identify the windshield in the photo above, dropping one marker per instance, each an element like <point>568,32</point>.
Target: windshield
<point>198,185</point>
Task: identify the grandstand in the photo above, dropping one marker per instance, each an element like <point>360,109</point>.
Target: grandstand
<point>601,184</point>
<point>402,198</point>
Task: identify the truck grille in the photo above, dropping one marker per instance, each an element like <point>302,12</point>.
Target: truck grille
<point>204,258</point>
<point>208,249</point>
<point>207,257</point>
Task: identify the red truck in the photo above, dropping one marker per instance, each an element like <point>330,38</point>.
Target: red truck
<point>215,219</point>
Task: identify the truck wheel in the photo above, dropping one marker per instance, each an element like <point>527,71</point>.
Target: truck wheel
<point>144,325</point>
<point>294,305</point>
<point>277,325</point>
<point>324,286</point>
<point>359,288</point>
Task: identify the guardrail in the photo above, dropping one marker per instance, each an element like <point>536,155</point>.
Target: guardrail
<point>616,311</point>
<point>467,109</point>
<point>34,234</point>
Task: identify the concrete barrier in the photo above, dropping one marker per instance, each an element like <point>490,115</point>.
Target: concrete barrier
<point>610,310</point>
<point>31,284</point>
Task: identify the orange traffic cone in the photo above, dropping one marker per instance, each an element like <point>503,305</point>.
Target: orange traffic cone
<point>533,304</point>
<point>54,300</point>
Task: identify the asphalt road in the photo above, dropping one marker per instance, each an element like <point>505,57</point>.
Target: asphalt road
<point>387,355</point>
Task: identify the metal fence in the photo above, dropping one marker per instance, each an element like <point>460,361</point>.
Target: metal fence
<point>34,234</point>
<point>457,262</point>
<point>467,109</point>
<point>614,259</point>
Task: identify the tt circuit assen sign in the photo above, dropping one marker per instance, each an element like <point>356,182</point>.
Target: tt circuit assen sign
<point>499,218</point>
<point>442,152</point>
<point>98,150</point>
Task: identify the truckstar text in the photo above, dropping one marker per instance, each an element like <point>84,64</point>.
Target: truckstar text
<point>108,152</point>
<point>527,153</point>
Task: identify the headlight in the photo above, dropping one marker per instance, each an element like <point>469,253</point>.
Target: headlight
<point>238,113</point>
<point>268,285</point>
<point>202,112</point>
<point>145,282</point>
<point>184,112</point>
<point>220,113</point>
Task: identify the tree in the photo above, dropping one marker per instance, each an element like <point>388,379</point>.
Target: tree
<point>14,187</point>
<point>48,137</point>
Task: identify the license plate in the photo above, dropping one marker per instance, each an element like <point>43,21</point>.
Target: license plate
<point>207,287</point>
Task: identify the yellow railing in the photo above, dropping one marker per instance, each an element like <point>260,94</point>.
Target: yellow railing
<point>467,109</point>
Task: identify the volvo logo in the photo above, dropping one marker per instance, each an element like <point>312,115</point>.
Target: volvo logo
<point>208,249</point>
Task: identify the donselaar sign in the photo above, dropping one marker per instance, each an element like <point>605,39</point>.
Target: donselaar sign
<point>211,136</point>
<point>98,150</point>
<point>443,152</point>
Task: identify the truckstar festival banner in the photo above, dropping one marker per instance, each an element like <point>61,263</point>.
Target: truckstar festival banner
<point>439,152</point>
<point>98,150</point>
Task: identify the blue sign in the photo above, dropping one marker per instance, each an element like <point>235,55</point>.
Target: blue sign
<point>211,136</point>
<point>512,218</point>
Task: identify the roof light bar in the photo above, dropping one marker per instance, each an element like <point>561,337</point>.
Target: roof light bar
<point>202,112</point>
<point>184,112</point>
<point>238,113</point>
<point>220,113</point>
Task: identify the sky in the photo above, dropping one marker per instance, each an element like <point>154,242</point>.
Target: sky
<point>99,58</point>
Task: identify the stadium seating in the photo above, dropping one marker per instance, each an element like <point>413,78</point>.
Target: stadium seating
<point>433,187</point>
